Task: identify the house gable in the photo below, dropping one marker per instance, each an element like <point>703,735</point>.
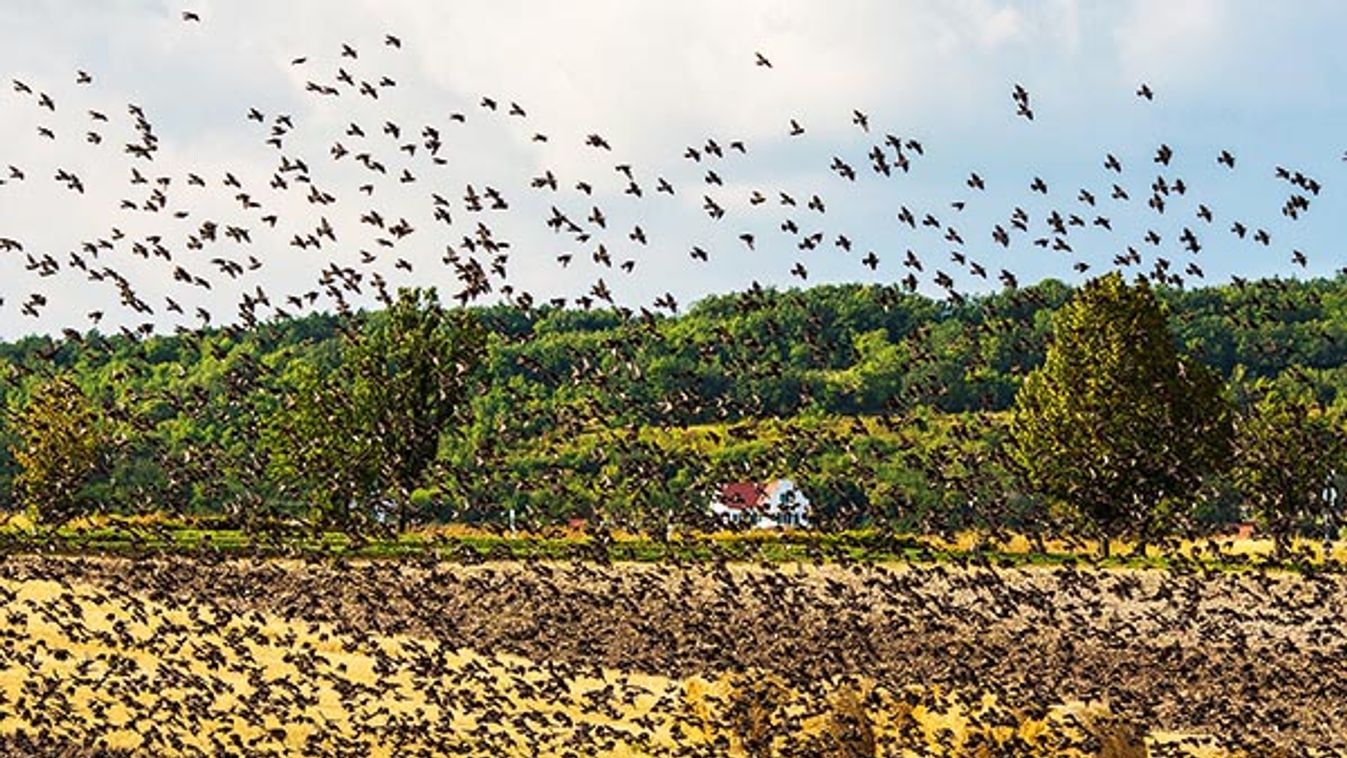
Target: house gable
<point>765,505</point>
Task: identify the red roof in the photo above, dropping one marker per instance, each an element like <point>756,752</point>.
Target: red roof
<point>743,495</point>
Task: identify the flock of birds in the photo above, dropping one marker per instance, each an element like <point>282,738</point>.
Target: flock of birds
<point>382,157</point>
<point>1029,639</point>
<point>357,658</point>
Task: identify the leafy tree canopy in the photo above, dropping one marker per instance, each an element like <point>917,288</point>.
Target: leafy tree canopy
<point>1116,425</point>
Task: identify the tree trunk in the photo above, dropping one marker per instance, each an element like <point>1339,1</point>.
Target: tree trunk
<point>1140,550</point>
<point>1142,516</point>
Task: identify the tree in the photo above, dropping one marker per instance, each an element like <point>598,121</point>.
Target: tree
<point>58,448</point>
<point>308,442</point>
<point>367,430</point>
<point>1287,452</point>
<point>1116,425</point>
<point>413,370</point>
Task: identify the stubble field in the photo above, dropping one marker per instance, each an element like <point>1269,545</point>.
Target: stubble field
<point>186,656</point>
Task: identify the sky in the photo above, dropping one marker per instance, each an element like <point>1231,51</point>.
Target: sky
<point>1261,80</point>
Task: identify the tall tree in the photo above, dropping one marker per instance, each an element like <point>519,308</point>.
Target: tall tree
<point>368,429</point>
<point>412,372</point>
<point>58,448</point>
<point>1116,425</point>
<point>1287,453</point>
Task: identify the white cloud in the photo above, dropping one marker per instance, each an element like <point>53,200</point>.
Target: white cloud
<point>1001,26</point>
<point>1172,42</point>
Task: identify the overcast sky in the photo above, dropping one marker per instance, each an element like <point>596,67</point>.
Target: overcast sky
<point>1262,80</point>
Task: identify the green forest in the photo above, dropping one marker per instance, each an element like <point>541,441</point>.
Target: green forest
<point>886,407</point>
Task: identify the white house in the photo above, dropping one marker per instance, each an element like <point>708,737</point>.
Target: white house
<point>777,504</point>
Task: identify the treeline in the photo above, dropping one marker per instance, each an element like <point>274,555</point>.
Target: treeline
<point>883,405</point>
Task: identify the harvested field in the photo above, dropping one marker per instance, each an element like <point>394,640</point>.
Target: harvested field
<point>176,655</point>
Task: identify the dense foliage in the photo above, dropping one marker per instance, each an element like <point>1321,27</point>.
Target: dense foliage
<point>57,450</point>
<point>1116,425</point>
<point>883,405</point>
<point>365,429</point>
<point>1287,460</point>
